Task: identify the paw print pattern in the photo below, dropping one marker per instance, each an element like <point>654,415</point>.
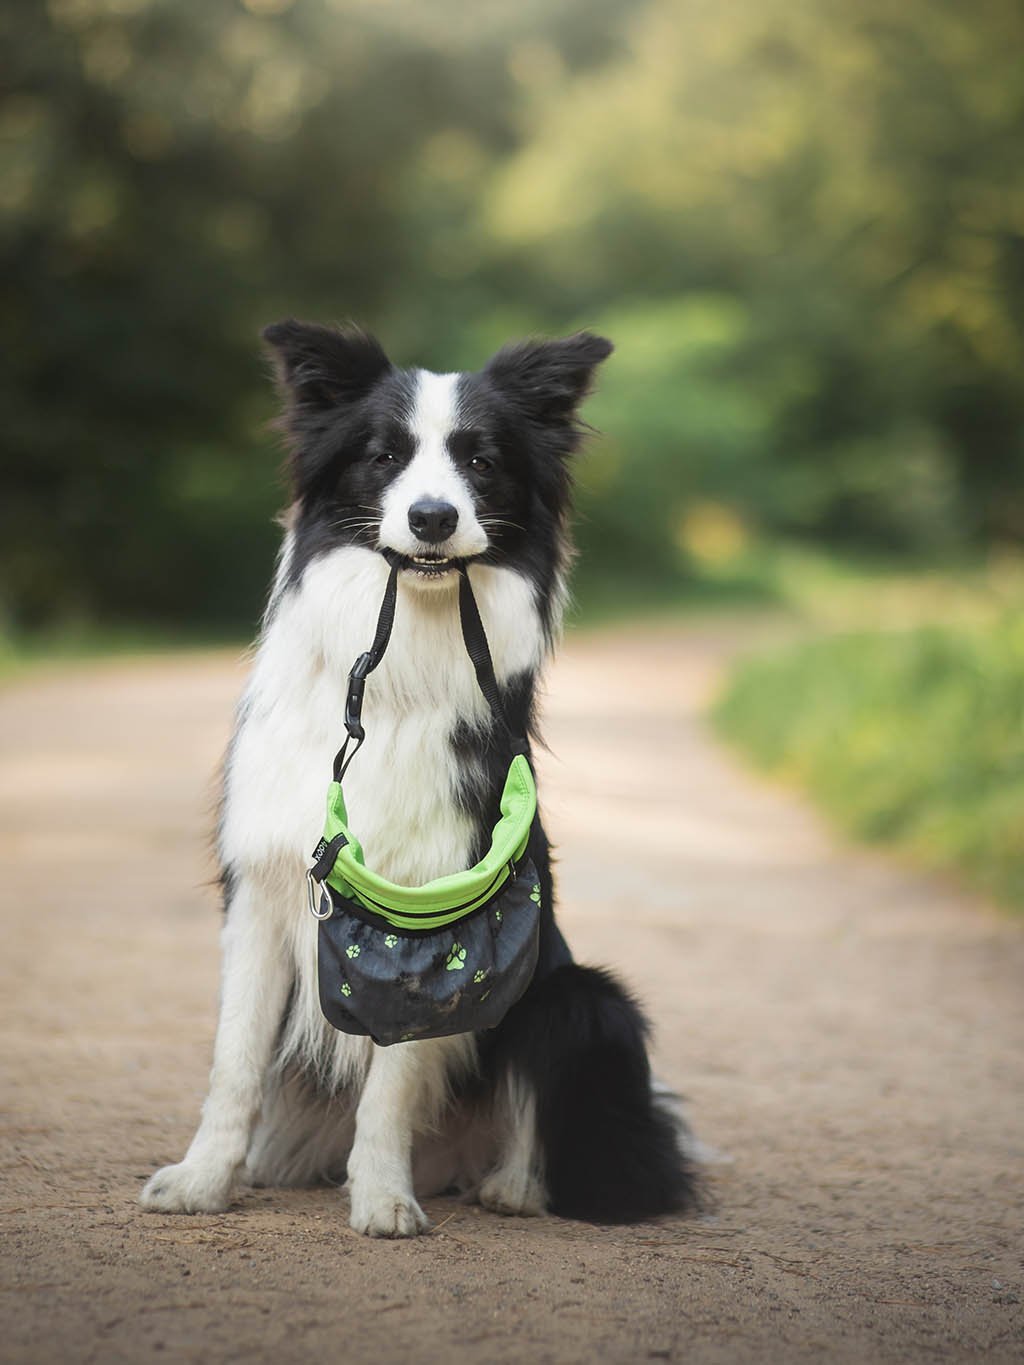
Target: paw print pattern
<point>456,958</point>
<point>352,950</point>
<point>535,893</point>
<point>497,916</point>
<point>479,975</point>
<point>390,940</point>
<point>346,989</point>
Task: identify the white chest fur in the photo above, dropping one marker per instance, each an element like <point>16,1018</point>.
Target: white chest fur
<point>401,790</point>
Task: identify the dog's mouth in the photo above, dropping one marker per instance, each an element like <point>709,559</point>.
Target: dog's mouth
<point>424,566</point>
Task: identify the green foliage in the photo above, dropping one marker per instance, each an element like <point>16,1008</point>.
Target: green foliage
<point>912,738</point>
<point>800,220</point>
<point>677,429</point>
<point>180,173</point>
<point>846,173</point>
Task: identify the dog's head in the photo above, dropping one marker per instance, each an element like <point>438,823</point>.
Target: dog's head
<point>431,469</point>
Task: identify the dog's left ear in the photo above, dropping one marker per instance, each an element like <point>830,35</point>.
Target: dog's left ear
<point>548,380</point>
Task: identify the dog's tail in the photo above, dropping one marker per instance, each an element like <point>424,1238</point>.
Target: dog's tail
<point>612,1151</point>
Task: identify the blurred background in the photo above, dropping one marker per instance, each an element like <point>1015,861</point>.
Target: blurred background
<point>801,221</point>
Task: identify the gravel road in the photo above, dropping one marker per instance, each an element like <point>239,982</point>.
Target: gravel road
<point>849,1035</point>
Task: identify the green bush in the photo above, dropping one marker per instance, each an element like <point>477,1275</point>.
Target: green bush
<point>914,739</point>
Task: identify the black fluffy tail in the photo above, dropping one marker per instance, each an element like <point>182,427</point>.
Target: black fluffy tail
<point>611,1153</point>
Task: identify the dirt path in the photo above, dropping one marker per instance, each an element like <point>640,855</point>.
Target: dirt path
<point>848,1033</point>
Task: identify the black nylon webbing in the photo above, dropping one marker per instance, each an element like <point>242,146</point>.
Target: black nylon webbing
<point>474,638</point>
<point>477,648</point>
<point>361,670</point>
<point>385,620</point>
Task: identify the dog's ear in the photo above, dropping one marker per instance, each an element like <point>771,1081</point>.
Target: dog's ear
<point>320,369</point>
<point>548,380</point>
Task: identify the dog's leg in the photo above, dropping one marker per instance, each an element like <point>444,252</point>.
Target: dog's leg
<point>303,1135</point>
<point>404,1091</point>
<point>516,1185</point>
<point>254,988</point>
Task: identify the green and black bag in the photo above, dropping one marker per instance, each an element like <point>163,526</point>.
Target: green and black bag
<point>451,956</point>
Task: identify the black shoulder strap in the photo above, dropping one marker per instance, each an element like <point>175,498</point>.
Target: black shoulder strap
<point>478,649</point>
<point>361,670</point>
<point>475,640</point>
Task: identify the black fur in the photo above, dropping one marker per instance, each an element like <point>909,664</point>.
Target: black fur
<point>611,1154</point>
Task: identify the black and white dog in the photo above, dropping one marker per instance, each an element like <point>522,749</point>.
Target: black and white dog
<point>555,1109</point>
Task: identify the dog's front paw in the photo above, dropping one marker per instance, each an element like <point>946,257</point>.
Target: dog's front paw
<point>511,1190</point>
<point>188,1187</point>
<point>380,1214</point>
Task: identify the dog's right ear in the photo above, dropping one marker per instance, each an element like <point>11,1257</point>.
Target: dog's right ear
<point>320,370</point>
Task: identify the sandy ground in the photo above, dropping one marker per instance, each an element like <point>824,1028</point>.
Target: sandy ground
<point>848,1033</point>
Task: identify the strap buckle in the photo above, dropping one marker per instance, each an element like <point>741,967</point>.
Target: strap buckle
<point>354,697</point>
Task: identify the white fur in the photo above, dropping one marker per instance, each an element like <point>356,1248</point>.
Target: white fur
<point>400,793</point>
<point>432,473</point>
<point>403,1092</point>
<point>255,980</point>
<point>516,1185</point>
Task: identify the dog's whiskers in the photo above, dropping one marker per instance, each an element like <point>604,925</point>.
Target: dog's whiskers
<point>493,523</point>
<point>361,527</point>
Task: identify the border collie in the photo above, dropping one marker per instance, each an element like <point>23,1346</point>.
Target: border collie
<point>555,1109</point>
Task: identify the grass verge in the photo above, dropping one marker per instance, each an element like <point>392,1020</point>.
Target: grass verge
<point>20,653</point>
<point>912,738</point>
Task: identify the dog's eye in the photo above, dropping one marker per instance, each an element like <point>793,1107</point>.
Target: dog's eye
<point>385,457</point>
<point>479,464</point>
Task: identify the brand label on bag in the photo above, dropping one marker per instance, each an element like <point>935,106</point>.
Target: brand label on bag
<point>320,850</point>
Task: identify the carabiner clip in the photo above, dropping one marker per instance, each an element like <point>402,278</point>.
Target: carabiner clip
<point>316,895</point>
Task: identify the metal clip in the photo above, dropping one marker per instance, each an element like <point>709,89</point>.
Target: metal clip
<point>316,895</point>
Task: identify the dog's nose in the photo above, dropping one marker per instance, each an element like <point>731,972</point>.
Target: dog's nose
<point>432,521</point>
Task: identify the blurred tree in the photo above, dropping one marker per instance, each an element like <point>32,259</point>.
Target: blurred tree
<point>802,220</point>
<point>177,173</point>
<point>850,174</point>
